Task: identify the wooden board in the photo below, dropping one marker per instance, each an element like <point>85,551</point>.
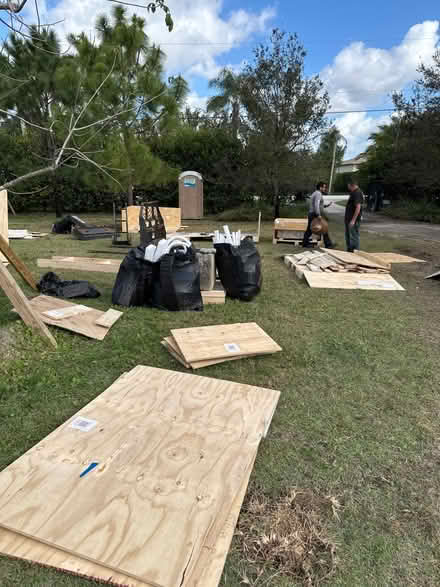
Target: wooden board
<point>213,296</point>
<point>389,258</point>
<point>298,224</point>
<point>17,263</point>
<point>170,455</point>
<point>370,281</point>
<point>84,324</point>
<point>170,344</point>
<point>67,312</point>
<point>353,259</point>
<point>81,264</point>
<point>223,341</point>
<point>4,220</point>
<point>172,219</point>
<point>26,311</point>
<point>109,318</point>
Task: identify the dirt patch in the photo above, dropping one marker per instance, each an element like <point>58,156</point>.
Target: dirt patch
<point>287,537</point>
<point>7,343</point>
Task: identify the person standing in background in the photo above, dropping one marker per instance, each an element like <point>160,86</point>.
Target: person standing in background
<point>353,215</point>
<point>315,211</point>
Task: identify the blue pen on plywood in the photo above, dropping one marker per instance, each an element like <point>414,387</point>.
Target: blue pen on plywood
<point>88,469</point>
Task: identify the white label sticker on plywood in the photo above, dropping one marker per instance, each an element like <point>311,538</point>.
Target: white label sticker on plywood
<point>83,424</point>
<point>231,347</point>
<point>66,312</point>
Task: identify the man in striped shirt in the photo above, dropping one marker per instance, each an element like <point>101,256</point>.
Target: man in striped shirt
<point>315,211</point>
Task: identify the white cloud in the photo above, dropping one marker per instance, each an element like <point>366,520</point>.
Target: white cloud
<point>357,127</point>
<point>193,101</point>
<point>201,33</point>
<point>363,76</point>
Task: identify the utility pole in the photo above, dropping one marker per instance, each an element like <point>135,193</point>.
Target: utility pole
<point>337,137</point>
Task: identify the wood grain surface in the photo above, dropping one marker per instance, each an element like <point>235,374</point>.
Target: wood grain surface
<point>108,318</point>
<point>211,342</point>
<point>369,281</point>
<point>81,264</point>
<point>173,452</point>
<point>84,324</point>
<point>18,264</point>
<point>30,316</point>
<point>353,259</point>
<point>387,258</point>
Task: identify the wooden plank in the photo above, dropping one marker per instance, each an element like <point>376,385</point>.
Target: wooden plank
<point>172,219</point>
<point>66,312</point>
<point>213,296</point>
<point>80,324</point>
<point>389,258</point>
<point>20,267</point>
<point>352,258</point>
<point>108,318</point>
<point>370,281</point>
<point>81,264</point>
<point>148,441</point>
<point>223,341</point>
<point>24,308</point>
<point>375,258</point>
<point>4,220</point>
<point>298,224</point>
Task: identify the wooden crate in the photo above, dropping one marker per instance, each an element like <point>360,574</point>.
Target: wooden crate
<point>291,230</point>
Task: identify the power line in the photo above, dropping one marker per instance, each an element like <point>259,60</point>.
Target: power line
<point>354,111</point>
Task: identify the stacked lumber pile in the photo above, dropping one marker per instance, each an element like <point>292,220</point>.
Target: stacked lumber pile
<point>158,504</point>
<point>203,346</point>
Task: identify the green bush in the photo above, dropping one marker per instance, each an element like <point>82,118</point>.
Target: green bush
<point>420,210</point>
<point>249,212</point>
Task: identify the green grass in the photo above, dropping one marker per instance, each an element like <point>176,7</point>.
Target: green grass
<point>357,419</point>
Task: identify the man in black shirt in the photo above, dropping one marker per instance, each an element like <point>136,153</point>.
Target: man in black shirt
<point>353,213</point>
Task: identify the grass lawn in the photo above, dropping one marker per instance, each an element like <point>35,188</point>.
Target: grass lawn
<point>358,418</point>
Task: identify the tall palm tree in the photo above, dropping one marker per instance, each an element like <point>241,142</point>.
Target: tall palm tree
<point>229,97</point>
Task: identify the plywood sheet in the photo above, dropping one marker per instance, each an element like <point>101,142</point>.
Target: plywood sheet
<point>4,220</point>
<point>30,316</point>
<point>370,281</point>
<point>299,224</point>
<point>396,258</point>
<point>172,219</point>
<point>353,259</point>
<point>84,324</point>
<point>81,264</point>
<point>223,341</point>
<point>164,458</point>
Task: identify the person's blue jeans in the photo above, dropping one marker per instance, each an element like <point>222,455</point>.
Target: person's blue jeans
<point>352,236</point>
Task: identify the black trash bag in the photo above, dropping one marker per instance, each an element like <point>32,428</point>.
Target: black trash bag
<point>52,285</point>
<point>133,285</point>
<point>239,269</point>
<point>176,286</point>
<point>64,226</point>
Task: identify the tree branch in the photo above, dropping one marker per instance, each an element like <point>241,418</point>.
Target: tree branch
<point>14,7</point>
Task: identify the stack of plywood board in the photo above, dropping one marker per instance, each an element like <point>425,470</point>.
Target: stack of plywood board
<point>208,345</point>
<point>291,230</point>
<point>143,486</point>
<point>338,269</point>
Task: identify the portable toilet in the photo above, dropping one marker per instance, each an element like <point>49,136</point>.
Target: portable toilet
<point>191,195</point>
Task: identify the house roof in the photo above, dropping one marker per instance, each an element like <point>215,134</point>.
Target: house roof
<point>361,158</point>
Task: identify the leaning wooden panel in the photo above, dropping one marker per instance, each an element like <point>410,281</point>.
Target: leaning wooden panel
<point>368,281</point>
<point>172,219</point>
<point>30,316</point>
<point>84,324</point>
<point>223,341</point>
<point>4,220</point>
<point>152,467</point>
<point>20,267</point>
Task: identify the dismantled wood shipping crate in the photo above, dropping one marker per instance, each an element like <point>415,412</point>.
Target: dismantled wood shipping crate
<point>172,455</point>
<point>291,230</point>
<point>74,317</point>
<point>207,345</point>
<point>340,270</point>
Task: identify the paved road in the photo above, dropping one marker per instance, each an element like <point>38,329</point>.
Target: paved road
<point>377,224</point>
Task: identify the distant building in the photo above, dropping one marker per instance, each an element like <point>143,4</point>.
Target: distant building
<point>351,165</point>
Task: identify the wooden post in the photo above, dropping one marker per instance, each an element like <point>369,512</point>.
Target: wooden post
<point>22,305</point>
<point>17,263</point>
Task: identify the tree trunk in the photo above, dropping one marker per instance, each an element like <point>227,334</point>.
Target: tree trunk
<point>235,118</point>
<point>130,194</point>
<point>276,198</point>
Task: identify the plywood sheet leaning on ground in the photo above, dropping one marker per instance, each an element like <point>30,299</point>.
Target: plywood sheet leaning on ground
<point>396,258</point>
<point>84,323</point>
<point>353,259</point>
<point>223,341</point>
<point>370,281</point>
<point>30,316</point>
<point>173,450</point>
<point>4,220</point>
<point>81,264</point>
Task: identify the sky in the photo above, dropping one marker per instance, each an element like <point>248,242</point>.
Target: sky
<point>363,51</point>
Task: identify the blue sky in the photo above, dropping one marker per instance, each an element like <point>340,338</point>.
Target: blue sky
<point>362,50</point>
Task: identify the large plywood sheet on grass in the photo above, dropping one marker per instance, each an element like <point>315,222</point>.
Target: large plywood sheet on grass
<point>368,281</point>
<point>84,324</point>
<point>353,259</point>
<point>396,258</point>
<point>206,343</point>
<point>168,473</point>
<point>81,264</point>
